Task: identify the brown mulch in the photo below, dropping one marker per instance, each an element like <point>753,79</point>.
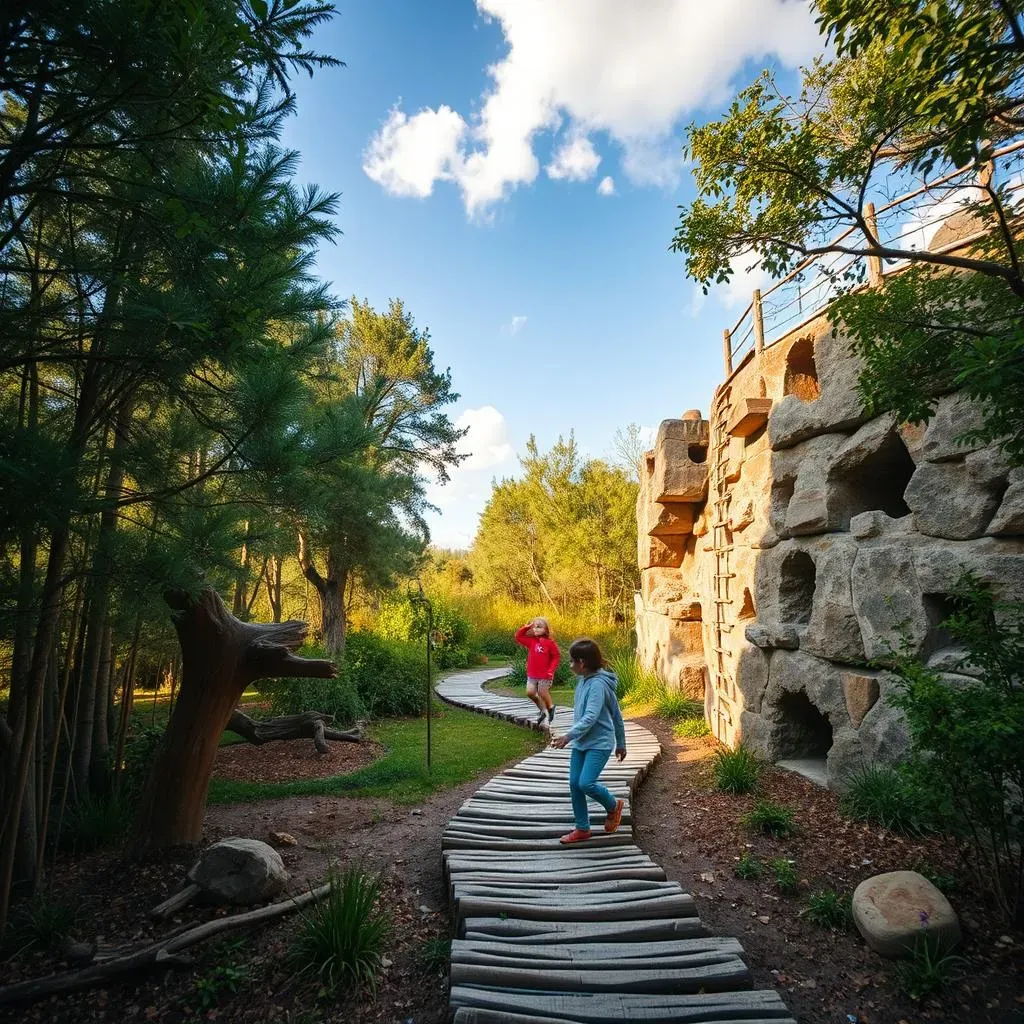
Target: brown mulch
<point>292,760</point>
<point>824,976</point>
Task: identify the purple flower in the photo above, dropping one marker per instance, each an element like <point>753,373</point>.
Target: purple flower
<point>922,916</point>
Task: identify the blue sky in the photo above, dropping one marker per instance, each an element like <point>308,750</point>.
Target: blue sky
<point>511,169</point>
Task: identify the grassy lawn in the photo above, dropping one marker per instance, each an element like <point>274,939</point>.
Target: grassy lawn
<point>465,745</point>
<point>151,710</point>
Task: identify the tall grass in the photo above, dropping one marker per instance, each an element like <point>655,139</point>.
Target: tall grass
<point>640,690</point>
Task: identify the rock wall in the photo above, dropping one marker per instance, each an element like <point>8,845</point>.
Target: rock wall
<point>784,542</point>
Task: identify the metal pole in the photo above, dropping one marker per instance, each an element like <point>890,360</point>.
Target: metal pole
<point>430,631</point>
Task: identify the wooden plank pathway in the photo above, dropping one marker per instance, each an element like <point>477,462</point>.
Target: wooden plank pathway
<point>589,933</point>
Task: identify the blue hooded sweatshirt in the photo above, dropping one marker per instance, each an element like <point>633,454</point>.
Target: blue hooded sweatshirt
<point>597,721</point>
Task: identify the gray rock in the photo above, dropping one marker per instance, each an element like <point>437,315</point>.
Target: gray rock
<point>756,735</point>
<point>793,671</point>
<point>887,598</point>
<point>1009,518</point>
<point>953,659</point>
<point>863,444</point>
<point>956,500</point>
<point>868,525</point>
<point>752,676</point>
<point>954,416</point>
<point>239,871</point>
<point>999,563</point>
<point>845,760</point>
<point>680,471</point>
<point>895,910</point>
<point>834,631</point>
<point>773,637</point>
<point>883,734</point>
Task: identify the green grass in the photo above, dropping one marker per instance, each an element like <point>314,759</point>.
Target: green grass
<point>929,969</point>
<point>827,909</point>
<point>736,771</point>
<point>886,797</point>
<point>786,878</point>
<point>691,729</point>
<point>771,819</point>
<point>748,867</point>
<point>464,745</point>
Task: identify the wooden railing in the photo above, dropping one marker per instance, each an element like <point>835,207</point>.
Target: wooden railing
<point>806,290</point>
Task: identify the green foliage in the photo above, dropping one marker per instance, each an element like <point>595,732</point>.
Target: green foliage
<point>400,619</point>
<point>828,909</point>
<point>748,867</point>
<point>390,677</point>
<point>770,818</point>
<point>968,740</point>
<point>892,797</point>
<point>928,970</point>
<point>944,881</point>
<point>341,938</point>
<point>786,878</point>
<point>224,979</point>
<point>736,771</point>
<point>433,955</point>
<point>97,821</point>
<point>673,704</point>
<point>691,728</point>
<point>642,691</point>
<point>338,697</point>
<point>40,922</point>
<point>914,90</point>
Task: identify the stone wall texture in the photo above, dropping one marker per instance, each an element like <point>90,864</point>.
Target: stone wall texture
<point>785,541</point>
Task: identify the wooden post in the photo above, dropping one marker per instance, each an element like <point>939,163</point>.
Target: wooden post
<point>874,262</point>
<point>727,351</point>
<point>758,323</point>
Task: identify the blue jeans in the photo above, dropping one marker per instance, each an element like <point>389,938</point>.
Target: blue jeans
<point>584,768</point>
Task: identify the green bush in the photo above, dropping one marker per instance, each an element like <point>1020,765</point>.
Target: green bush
<point>748,867</point>
<point>736,771</point>
<point>341,938</point>
<point>389,676</point>
<point>337,697</point>
<point>495,642</point>
<point>433,955</point>
<point>969,738</point>
<point>928,970</point>
<point>691,728</point>
<point>890,797</point>
<point>399,619</point>
<point>770,818</point>
<point>786,878</point>
<point>41,922</point>
<point>827,909</point>
<point>672,704</point>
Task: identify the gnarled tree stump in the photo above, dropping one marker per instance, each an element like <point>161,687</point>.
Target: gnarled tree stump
<point>308,724</point>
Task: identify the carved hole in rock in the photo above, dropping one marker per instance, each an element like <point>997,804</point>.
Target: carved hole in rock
<point>938,608</point>
<point>801,730</point>
<point>697,453</point>
<point>801,374</point>
<point>796,587</point>
<point>762,388</point>
<point>649,460</point>
<point>878,483</point>
<point>782,495</point>
<point>747,610</point>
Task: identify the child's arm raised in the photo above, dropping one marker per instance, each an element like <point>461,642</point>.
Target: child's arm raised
<point>521,638</point>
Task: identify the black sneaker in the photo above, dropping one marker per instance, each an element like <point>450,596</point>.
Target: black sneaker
<point>551,713</point>
<point>540,718</point>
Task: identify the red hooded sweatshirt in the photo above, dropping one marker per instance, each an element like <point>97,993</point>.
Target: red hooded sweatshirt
<point>542,654</point>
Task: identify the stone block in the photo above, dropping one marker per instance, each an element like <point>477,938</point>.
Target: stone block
<point>661,587</point>
<point>661,552</point>
<point>686,610</point>
<point>887,597</point>
<point>861,690</point>
<point>883,732</point>
<point>752,675</point>
<point>1009,518</point>
<point>845,760</point>
<point>954,416</point>
<point>956,500</point>
<point>793,671</point>
<point>769,638</point>
<point>896,910</point>
<point>999,563</point>
<point>749,415</point>
<point>834,631</point>
<point>756,735</point>
<point>680,471</point>
<point>670,519</point>
<point>868,525</point>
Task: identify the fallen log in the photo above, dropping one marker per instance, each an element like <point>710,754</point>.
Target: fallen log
<point>307,725</point>
<point>164,953</point>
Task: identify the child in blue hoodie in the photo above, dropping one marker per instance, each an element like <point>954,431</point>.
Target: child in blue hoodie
<point>597,730</point>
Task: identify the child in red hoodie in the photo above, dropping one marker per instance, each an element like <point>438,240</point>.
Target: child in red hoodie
<point>542,657</point>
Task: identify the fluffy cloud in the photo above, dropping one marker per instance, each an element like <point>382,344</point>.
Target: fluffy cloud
<point>607,186</point>
<point>489,452</point>
<point>515,325</point>
<point>631,71</point>
<point>576,160</point>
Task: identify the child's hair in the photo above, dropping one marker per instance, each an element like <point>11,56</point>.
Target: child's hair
<point>539,620</point>
<point>587,651</point>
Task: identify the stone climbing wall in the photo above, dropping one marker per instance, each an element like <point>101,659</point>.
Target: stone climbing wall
<point>783,541</point>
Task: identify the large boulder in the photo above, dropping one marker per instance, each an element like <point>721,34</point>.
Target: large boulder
<point>954,416</point>
<point>898,910</point>
<point>680,470</point>
<point>1009,518</point>
<point>887,599</point>
<point>239,871</point>
<point>834,631</point>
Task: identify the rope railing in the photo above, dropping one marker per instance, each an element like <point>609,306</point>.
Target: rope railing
<point>908,222</point>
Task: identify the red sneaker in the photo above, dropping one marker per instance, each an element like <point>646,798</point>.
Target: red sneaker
<point>577,835</point>
<point>611,823</point>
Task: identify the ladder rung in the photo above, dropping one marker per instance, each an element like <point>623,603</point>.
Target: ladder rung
<point>723,600</point>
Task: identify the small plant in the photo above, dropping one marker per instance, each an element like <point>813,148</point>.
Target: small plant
<point>342,937</point>
<point>96,822</point>
<point>928,970</point>
<point>41,922</point>
<point>887,797</point>
<point>224,979</point>
<point>770,818</point>
<point>748,867</point>
<point>828,909</point>
<point>786,878</point>
<point>433,955</point>
<point>691,728</point>
<point>736,771</point>
<point>672,704</point>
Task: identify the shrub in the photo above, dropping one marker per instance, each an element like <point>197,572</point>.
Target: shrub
<point>389,676</point>
<point>736,771</point>
<point>342,936</point>
<point>672,704</point>
<point>828,909</point>
<point>96,821</point>
<point>748,867</point>
<point>889,797</point>
<point>337,697</point>
<point>970,738</point>
<point>42,922</point>
<point>402,621</point>
<point>929,969</point>
<point>495,642</point>
<point>786,877</point>
<point>691,728</point>
<point>433,955</point>
<point>770,818</point>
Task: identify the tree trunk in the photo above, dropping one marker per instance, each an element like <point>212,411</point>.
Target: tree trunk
<point>240,604</point>
<point>306,725</point>
<point>329,589</point>
<point>272,572</point>
<point>221,656</point>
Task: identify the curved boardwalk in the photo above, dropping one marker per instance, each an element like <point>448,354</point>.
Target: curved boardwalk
<point>590,933</point>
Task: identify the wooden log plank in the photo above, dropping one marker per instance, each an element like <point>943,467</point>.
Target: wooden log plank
<point>577,952</point>
<point>679,905</point>
<point>479,1015</point>
<point>653,874</point>
<point>546,933</point>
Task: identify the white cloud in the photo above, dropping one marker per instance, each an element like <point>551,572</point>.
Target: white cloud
<point>697,300</point>
<point>747,274</point>
<point>515,325</point>
<point>489,452</point>
<point>632,71</point>
<point>607,186</point>
<point>576,159</point>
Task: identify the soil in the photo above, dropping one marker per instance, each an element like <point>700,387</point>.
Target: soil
<point>292,760</point>
<point>825,977</point>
